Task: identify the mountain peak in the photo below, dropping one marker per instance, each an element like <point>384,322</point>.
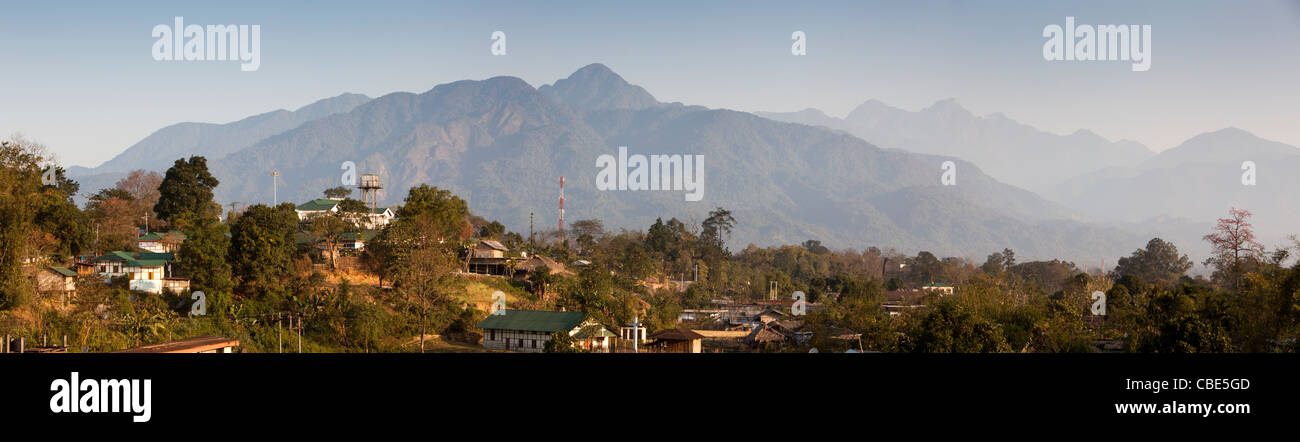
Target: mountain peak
<point>947,106</point>
<point>597,87</point>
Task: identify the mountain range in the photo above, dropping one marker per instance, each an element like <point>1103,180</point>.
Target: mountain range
<point>1006,149</point>
<point>160,149</point>
<point>502,145</point>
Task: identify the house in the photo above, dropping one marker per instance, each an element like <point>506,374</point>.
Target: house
<point>169,242</point>
<point>56,280</point>
<point>770,315</point>
<point>316,207</point>
<point>778,332</point>
<point>357,240</point>
<point>676,340</point>
<point>523,268</point>
<point>530,330</point>
<point>370,220</point>
<point>487,257</point>
<point>146,271</point>
<point>941,289</point>
<point>201,344</point>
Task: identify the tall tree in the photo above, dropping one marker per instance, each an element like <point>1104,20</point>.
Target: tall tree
<point>112,212</point>
<point>143,185</point>
<point>262,243</point>
<point>1159,263</point>
<point>331,227</point>
<point>20,196</point>
<point>1233,242</point>
<point>717,227</point>
<point>203,255</point>
<point>187,188</point>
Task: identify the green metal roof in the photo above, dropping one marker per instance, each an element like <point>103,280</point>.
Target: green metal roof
<point>318,204</point>
<point>141,259</point>
<point>533,320</point>
<point>64,271</point>
<point>594,331</point>
<point>156,236</point>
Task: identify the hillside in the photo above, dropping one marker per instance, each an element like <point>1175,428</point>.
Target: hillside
<point>502,145</point>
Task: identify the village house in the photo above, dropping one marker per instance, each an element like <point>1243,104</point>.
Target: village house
<point>487,257</point>
<point>145,271</point>
<point>941,289</point>
<point>372,219</point>
<point>523,268</point>
<point>56,280</point>
<point>676,340</point>
<point>169,242</point>
<point>530,330</point>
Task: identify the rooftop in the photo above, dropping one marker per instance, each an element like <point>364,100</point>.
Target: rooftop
<point>532,320</point>
<point>192,345</point>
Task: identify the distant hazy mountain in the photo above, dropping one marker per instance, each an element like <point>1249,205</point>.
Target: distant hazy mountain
<point>596,87</point>
<point>503,145</point>
<point>1009,151</point>
<point>159,150</point>
<point>1198,180</point>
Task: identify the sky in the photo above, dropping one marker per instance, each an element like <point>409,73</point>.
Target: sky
<point>79,77</point>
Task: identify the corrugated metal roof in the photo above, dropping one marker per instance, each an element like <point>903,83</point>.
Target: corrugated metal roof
<point>140,259</point>
<point>533,320</point>
<point>63,271</point>
<point>319,204</point>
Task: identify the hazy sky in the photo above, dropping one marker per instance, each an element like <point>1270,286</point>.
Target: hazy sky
<point>80,77</point>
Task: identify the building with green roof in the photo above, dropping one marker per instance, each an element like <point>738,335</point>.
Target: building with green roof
<point>530,330</point>
<point>146,271</point>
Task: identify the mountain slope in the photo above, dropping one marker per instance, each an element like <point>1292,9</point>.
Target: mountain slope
<point>1198,180</point>
<point>1010,151</point>
<point>161,148</point>
<point>596,87</point>
<point>503,145</point>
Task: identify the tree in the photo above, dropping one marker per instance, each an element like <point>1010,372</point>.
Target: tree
<point>815,246</point>
<point>339,192</point>
<point>142,186</point>
<point>999,262</point>
<point>330,227</point>
<point>420,248</point>
<point>20,195</point>
<point>951,327</point>
<point>262,243</point>
<point>539,278</point>
<point>444,213</point>
<point>187,188</point>
<point>561,342</point>
<point>203,255</point>
<point>1159,263</point>
<point>113,212</point>
<point>717,228</point>
<point>492,230</point>
<point>1233,242</point>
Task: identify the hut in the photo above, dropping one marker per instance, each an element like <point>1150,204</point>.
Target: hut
<point>676,340</point>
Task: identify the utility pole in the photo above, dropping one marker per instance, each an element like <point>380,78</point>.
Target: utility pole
<point>279,337</point>
<point>146,223</point>
<point>299,333</point>
<point>421,331</point>
<point>530,228</point>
